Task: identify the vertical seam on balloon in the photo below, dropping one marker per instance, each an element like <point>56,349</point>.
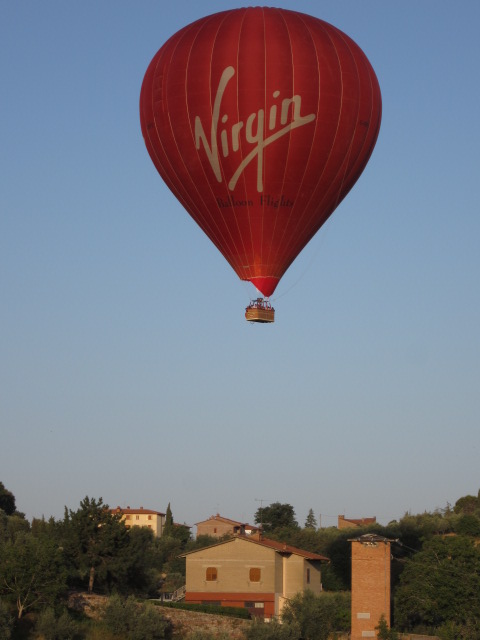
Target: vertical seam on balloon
<point>231,252</point>
<point>232,245</point>
<point>372,127</point>
<point>152,147</point>
<point>298,220</point>
<point>262,248</point>
<point>215,233</point>
<point>183,196</point>
<point>306,234</point>
<point>245,269</point>
<point>301,221</point>
<point>212,224</point>
<point>272,243</point>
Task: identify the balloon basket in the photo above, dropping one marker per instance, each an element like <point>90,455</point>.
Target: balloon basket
<point>260,310</point>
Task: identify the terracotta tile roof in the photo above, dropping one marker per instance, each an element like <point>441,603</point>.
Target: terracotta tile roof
<point>279,547</point>
<point>285,548</point>
<point>235,523</point>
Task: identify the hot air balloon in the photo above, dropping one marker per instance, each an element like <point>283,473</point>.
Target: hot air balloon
<point>260,121</point>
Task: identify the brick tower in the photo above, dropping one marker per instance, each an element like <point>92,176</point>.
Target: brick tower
<point>370,584</point>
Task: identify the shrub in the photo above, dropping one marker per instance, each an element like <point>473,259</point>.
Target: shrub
<point>383,632</point>
<point>49,627</point>
<point>133,621</point>
<point>273,630</point>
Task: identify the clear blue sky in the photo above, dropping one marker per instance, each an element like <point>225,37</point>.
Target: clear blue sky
<point>127,369</point>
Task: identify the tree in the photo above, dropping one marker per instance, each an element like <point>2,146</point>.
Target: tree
<point>51,627</point>
<point>94,541</point>
<point>318,617</point>
<point>440,584</point>
<point>7,500</point>
<point>311,521</point>
<point>383,631</point>
<point>467,504</point>
<point>138,566</point>
<point>32,572</point>
<point>168,528</point>
<point>468,525</point>
<point>276,516</point>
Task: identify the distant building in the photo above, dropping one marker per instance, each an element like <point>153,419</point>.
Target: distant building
<point>353,523</point>
<point>154,520</point>
<point>370,584</point>
<point>218,526</point>
<point>251,572</point>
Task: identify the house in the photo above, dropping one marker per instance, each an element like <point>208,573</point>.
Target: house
<point>252,572</point>
<point>154,520</point>
<point>353,523</point>
<point>371,591</point>
<point>218,526</point>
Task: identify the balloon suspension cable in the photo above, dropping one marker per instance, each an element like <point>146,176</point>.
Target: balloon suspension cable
<point>260,310</point>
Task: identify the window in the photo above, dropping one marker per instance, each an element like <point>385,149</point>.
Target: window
<point>308,576</point>
<point>211,574</point>
<point>149,517</point>
<point>255,574</point>
<point>137,517</point>
<point>128,517</point>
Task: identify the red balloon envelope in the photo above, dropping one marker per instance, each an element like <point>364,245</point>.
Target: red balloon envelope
<point>260,121</point>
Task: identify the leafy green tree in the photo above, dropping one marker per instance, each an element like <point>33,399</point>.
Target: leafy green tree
<point>137,566</point>
<point>311,521</point>
<point>453,631</point>
<point>467,504</point>
<point>51,627</point>
<point>276,516</point>
<point>440,584</point>
<point>181,532</point>
<point>339,552</point>
<point>318,617</point>
<point>468,525</point>
<point>383,631</point>
<point>7,500</point>
<point>32,572</point>
<point>11,526</point>
<point>169,526</point>
<point>95,541</point>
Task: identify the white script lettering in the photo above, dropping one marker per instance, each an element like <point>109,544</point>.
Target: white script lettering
<point>253,128</point>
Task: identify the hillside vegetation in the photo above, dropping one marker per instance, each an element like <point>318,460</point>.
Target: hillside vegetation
<point>435,573</point>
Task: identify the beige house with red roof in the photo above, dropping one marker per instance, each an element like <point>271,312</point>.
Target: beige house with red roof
<point>353,523</point>
<point>154,520</point>
<point>252,572</point>
<point>218,526</point>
